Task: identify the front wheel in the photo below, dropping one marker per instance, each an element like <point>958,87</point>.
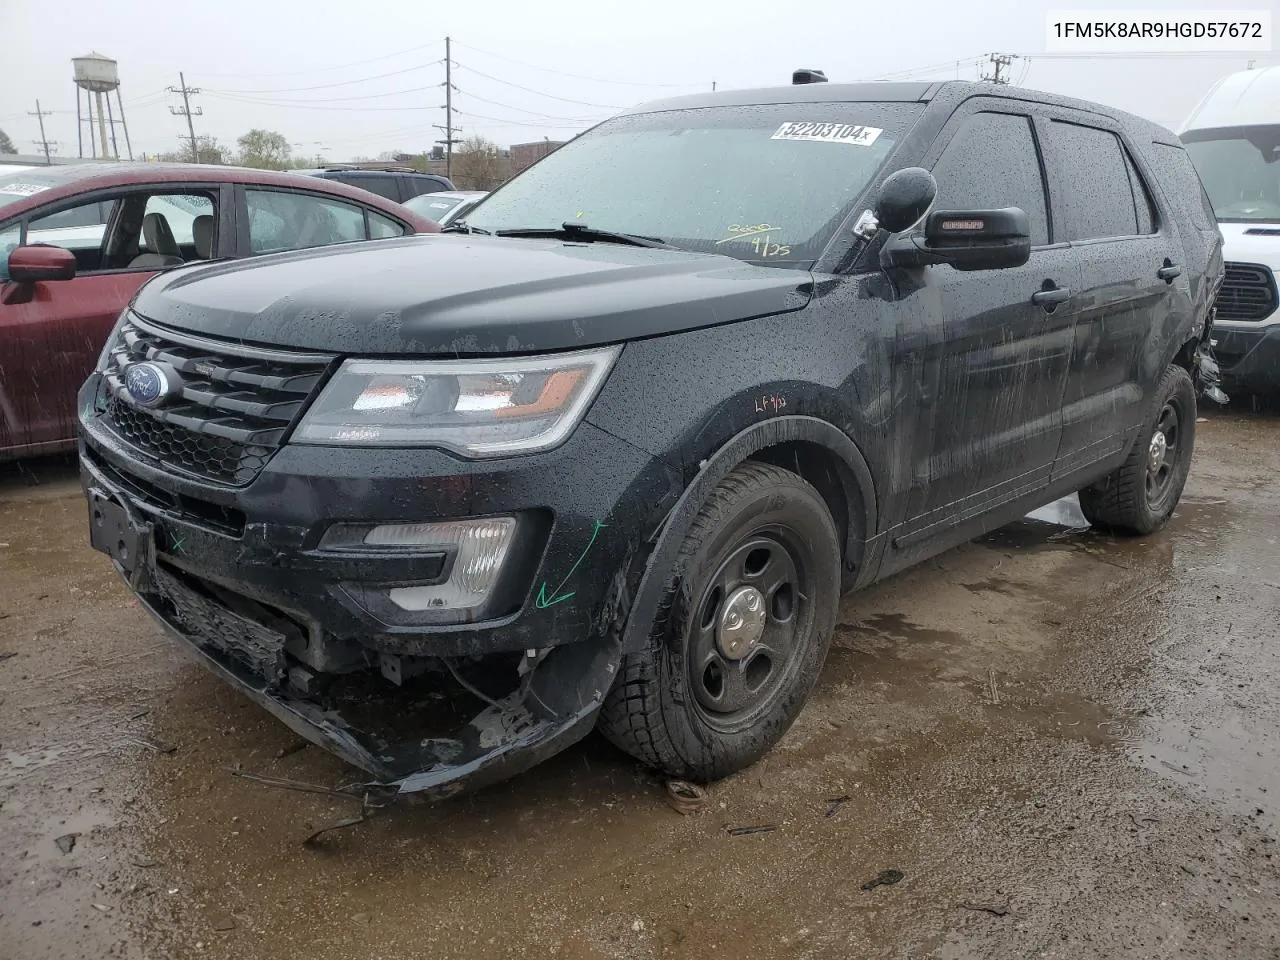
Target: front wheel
<point>1142,493</point>
<point>738,641</point>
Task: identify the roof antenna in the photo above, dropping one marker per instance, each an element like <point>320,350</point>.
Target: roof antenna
<point>808,76</point>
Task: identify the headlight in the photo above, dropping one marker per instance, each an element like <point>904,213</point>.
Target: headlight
<point>477,408</point>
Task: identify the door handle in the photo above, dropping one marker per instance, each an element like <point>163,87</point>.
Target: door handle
<point>1168,272</point>
<point>1051,297</point>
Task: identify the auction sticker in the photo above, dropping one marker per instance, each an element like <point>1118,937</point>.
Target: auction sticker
<point>22,189</point>
<point>853,133</point>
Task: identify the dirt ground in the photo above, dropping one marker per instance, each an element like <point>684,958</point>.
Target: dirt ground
<point>1067,744</point>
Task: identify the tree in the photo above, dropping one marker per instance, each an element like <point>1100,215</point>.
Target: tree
<point>478,164</point>
<point>265,149</point>
<point>208,149</point>
<point>6,145</point>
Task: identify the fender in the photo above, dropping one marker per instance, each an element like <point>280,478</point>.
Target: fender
<point>661,565</point>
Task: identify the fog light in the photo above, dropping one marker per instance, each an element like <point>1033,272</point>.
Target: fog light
<point>481,548</point>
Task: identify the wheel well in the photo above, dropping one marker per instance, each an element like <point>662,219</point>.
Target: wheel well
<point>833,480</point>
<point>1186,356</point>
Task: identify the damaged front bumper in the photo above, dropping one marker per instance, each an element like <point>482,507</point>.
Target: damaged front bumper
<point>506,737</point>
<point>267,608</point>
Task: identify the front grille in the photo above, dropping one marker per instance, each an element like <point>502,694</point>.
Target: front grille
<point>234,408</point>
<point>1248,293</point>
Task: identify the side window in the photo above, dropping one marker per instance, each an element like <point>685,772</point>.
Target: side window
<point>10,237</point>
<point>80,229</point>
<point>1183,186</point>
<point>1092,193</point>
<point>420,185</point>
<point>1141,198</point>
<point>180,212</point>
<point>381,227</point>
<point>992,162</point>
<point>295,221</point>
<point>383,184</point>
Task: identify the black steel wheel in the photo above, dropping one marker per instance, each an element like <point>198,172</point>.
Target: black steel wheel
<point>741,634</point>
<point>1141,494</point>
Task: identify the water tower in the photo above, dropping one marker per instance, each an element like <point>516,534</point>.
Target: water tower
<point>98,77</point>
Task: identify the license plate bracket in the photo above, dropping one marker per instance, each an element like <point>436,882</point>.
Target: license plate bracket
<point>122,536</point>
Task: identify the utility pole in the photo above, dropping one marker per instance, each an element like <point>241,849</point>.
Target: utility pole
<point>448,129</point>
<point>44,142</point>
<point>999,61</point>
<point>187,112</point>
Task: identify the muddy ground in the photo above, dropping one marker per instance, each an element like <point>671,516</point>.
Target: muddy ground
<point>1067,745</point>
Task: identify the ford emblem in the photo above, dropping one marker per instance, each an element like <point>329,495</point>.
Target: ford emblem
<point>150,384</point>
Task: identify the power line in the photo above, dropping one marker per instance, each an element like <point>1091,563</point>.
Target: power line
<point>536,113</point>
<point>328,69</point>
<point>342,83</point>
<point>539,93</point>
<point>186,111</point>
<point>578,76</point>
<point>363,96</point>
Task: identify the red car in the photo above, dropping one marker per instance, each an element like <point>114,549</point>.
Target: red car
<point>78,240</point>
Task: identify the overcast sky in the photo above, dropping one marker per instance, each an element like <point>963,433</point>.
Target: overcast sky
<point>356,77</point>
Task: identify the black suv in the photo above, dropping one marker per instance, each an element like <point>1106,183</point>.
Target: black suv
<point>609,454</point>
<point>394,183</point>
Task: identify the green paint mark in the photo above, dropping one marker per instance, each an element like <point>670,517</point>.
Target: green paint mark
<point>544,600</point>
<point>177,544</point>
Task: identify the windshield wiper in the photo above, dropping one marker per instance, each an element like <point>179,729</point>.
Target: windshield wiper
<point>580,231</point>
<point>461,226</point>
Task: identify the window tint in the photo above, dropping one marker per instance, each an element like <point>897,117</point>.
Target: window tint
<point>294,221</point>
<point>990,163</point>
<point>1141,198</point>
<point>417,186</point>
<point>180,212</point>
<point>1092,194</point>
<point>381,227</point>
<point>383,184</point>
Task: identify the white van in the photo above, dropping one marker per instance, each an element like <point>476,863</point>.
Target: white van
<point>1233,137</point>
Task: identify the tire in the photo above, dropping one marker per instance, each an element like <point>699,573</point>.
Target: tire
<point>701,702</point>
<point>1140,496</point>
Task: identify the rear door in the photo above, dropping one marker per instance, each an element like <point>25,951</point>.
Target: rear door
<point>1131,294</point>
<point>991,409</point>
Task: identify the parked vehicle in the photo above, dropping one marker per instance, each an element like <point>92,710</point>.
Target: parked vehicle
<point>446,206</point>
<point>393,182</point>
<point>77,241</point>
<point>619,459</point>
<point>1233,138</point>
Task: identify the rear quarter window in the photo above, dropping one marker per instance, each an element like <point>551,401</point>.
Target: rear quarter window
<point>1182,185</point>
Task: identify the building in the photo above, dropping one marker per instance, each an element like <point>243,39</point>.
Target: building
<point>526,154</point>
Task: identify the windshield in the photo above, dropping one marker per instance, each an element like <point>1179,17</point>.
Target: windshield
<point>768,184</point>
<point>17,185</point>
<point>432,206</point>
<point>1240,168</point>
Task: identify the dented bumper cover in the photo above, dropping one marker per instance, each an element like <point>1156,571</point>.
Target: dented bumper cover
<point>242,579</point>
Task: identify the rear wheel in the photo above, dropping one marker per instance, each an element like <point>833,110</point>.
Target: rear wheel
<point>737,643</point>
<point>1142,493</point>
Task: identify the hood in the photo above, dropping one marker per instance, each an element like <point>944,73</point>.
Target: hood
<point>459,294</point>
<point>1248,243</point>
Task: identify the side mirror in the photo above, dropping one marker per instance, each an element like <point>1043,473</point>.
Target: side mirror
<point>905,197</point>
<point>37,262</point>
<point>967,240</point>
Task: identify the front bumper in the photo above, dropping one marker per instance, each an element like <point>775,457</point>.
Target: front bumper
<point>1249,357</point>
<point>239,577</point>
